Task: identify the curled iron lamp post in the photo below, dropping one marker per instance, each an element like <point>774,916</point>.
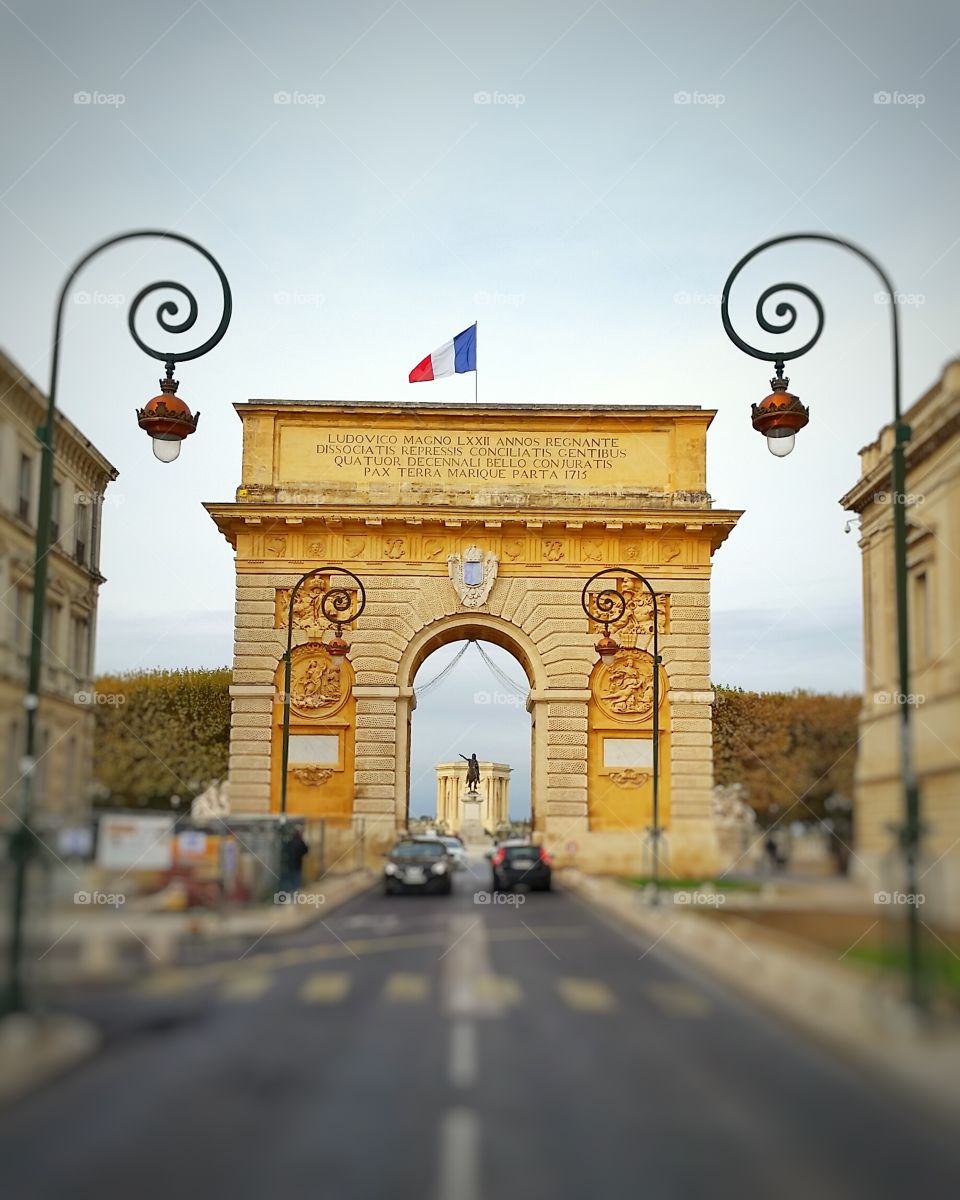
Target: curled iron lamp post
<point>780,416</point>
<point>607,607</point>
<point>341,606</point>
<point>168,420</point>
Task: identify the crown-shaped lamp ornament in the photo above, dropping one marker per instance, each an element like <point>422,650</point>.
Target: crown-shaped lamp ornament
<point>167,420</point>
<point>780,416</point>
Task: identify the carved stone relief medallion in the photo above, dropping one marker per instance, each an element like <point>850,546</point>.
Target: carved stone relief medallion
<point>624,689</point>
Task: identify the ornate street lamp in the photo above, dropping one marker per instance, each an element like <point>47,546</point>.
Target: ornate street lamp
<point>608,607</point>
<point>341,606</point>
<point>780,416</point>
<point>168,420</point>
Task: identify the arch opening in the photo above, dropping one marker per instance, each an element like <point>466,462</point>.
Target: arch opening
<point>470,687</point>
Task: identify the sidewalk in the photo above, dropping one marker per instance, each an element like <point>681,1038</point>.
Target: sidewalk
<point>854,1011</point>
<point>113,947</point>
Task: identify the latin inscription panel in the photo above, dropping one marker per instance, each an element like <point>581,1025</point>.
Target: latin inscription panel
<point>448,457</point>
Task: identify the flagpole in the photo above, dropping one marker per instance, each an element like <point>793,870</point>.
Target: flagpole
<point>476,363</point>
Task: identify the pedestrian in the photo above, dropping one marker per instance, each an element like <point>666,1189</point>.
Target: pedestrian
<point>293,850</point>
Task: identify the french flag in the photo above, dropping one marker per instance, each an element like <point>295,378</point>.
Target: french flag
<point>453,358</point>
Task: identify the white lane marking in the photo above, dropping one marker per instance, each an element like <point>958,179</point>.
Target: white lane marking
<point>458,1177</point>
<point>463,1053</point>
<point>465,961</point>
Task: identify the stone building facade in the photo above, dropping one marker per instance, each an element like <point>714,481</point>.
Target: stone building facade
<point>933,560</point>
<point>477,521</point>
<point>65,717</point>
<point>494,789</point>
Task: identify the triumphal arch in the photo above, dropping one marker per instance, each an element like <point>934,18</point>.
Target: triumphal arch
<point>478,521</point>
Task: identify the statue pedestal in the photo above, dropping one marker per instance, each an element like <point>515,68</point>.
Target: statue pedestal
<point>471,826</point>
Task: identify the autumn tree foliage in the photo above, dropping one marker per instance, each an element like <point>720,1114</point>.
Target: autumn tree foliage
<point>790,750</point>
<point>160,734</point>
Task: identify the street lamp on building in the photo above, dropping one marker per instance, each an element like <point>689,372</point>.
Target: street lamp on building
<point>340,606</point>
<point>780,416</point>
<point>168,420</point>
<point>607,607</point>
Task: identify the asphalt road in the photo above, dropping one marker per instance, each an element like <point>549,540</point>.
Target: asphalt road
<point>441,1047</point>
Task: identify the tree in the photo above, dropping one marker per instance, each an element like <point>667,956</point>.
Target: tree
<point>161,734</point>
<point>790,750</point>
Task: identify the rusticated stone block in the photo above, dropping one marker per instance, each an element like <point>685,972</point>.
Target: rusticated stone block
<point>373,804</point>
<point>374,720</point>
<point>370,706</point>
<point>566,710</point>
<point>248,675</point>
<point>691,725</point>
<point>250,720</point>
<point>562,808</point>
<point>673,643</point>
<point>367,678</point>
<point>568,794</point>
<point>686,626</point>
<point>249,589</point>
<point>264,607</point>
<point>251,654</point>
<point>363,776</point>
<point>375,791</point>
<point>250,662</point>
<point>249,734</point>
<point>691,738</point>
<point>371,736</point>
<point>569,724</point>
<point>252,704</point>
<point>689,681</point>
<point>681,655</point>
<point>248,775</point>
<point>578,680</point>
<point>563,745</point>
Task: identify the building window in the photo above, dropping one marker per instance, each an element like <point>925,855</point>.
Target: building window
<point>14,751</point>
<point>922,648</point>
<point>79,649</point>
<point>25,487</point>
<point>51,628</point>
<point>70,796</point>
<point>96,503</point>
<point>55,507</point>
<point>22,618</point>
<point>42,769</point>
<point>82,528</point>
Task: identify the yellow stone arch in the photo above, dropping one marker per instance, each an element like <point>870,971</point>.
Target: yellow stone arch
<point>537,498</point>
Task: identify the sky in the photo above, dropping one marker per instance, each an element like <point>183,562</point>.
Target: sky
<point>578,176</point>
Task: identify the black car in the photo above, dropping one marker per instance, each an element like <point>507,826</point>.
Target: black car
<point>521,863</point>
<point>418,865</point>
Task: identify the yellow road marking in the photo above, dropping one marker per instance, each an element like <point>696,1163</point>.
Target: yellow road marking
<point>496,989</point>
<point>173,979</point>
<point>326,987</point>
<point>247,986</point>
<point>587,995</point>
<point>166,983</point>
<point>678,1000</point>
<point>406,987</point>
